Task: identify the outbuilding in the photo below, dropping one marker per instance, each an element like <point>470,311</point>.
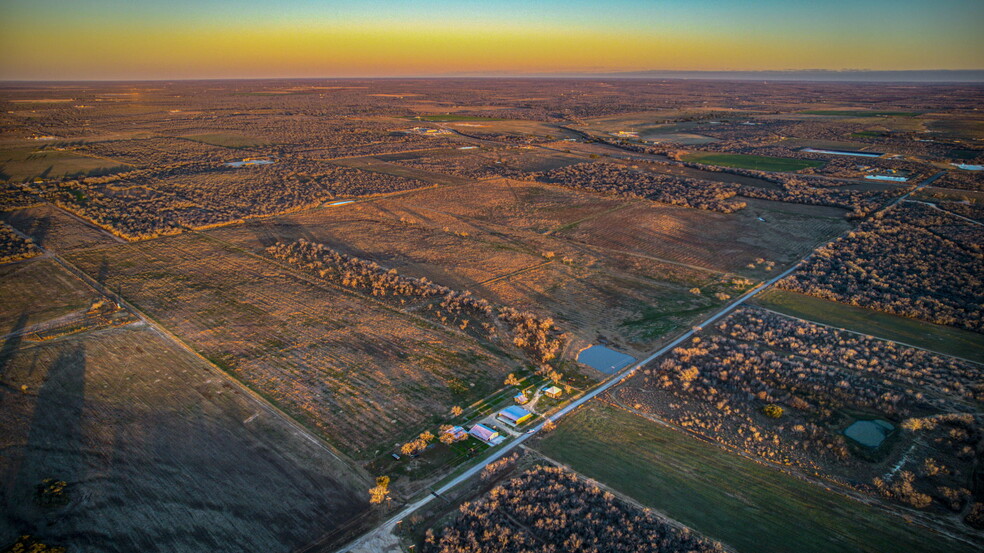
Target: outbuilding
<point>514,415</point>
<point>484,433</point>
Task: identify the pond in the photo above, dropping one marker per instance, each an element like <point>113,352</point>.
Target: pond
<point>886,177</point>
<point>604,359</point>
<point>869,433</point>
<point>843,152</point>
<point>249,162</point>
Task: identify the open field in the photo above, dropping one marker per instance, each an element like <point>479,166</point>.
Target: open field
<point>478,245</point>
<point>227,139</point>
<point>54,229</point>
<point>726,497</point>
<point>759,163</point>
<point>944,339</point>
<point>21,164</point>
<point>707,239</point>
<point>360,374</point>
<point>38,291</point>
<point>453,117</point>
<point>157,453</point>
<point>860,113</point>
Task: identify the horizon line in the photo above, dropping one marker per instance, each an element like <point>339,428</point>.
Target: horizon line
<point>926,76</point>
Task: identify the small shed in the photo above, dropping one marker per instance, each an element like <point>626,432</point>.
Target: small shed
<point>514,415</point>
<point>484,433</point>
<point>521,398</point>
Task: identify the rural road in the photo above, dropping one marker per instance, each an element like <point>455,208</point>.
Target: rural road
<point>372,540</point>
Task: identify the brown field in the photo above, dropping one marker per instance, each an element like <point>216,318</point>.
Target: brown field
<point>360,374</point>
<point>473,238</point>
<point>159,453</point>
<point>54,229</point>
<point>19,164</point>
<point>379,165</point>
<point>713,240</point>
<point>39,291</point>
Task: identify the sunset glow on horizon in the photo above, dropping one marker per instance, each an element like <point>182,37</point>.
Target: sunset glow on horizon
<point>113,39</point>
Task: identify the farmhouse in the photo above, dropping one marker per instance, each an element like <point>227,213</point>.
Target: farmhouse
<point>484,433</point>
<point>553,392</point>
<point>514,415</point>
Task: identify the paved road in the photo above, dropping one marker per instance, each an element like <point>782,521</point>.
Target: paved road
<point>618,378</point>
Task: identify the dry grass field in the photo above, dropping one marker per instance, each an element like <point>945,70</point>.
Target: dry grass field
<point>54,229</point>
<point>158,453</point>
<point>475,238</point>
<point>360,374</point>
<point>716,241</point>
<point>20,164</point>
<point>40,291</point>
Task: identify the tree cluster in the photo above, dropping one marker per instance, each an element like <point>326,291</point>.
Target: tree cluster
<point>619,180</point>
<point>13,247</point>
<point>147,203</point>
<point>915,261</point>
<point>777,387</point>
<point>551,510</point>
<point>536,336</point>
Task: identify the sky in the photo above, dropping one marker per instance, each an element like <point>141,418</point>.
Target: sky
<point>187,39</point>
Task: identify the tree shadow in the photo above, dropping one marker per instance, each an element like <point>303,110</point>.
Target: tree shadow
<point>53,449</point>
<point>40,229</point>
<point>103,271</point>
<point>11,345</point>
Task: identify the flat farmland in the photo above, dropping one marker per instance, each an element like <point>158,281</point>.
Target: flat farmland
<point>40,291</point>
<point>54,229</point>
<point>514,204</point>
<point>20,164</point>
<point>360,374</point>
<point>397,236</point>
<point>745,161</point>
<point>488,161</point>
<point>752,507</point>
<point>480,245</point>
<point>594,303</point>
<point>378,165</point>
<point>159,453</point>
<point>715,241</point>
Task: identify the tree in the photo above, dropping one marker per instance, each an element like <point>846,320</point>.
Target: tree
<point>772,411</point>
<point>511,380</point>
<point>380,492</point>
<point>457,411</point>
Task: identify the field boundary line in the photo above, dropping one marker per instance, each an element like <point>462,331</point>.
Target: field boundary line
<point>516,272</point>
<point>260,400</point>
<point>572,224</point>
